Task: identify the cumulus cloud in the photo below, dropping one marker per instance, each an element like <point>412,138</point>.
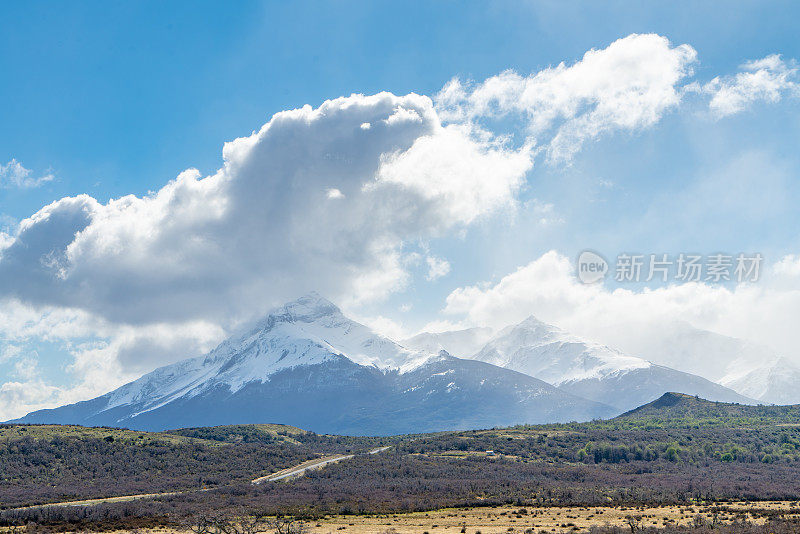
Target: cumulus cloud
<point>138,347</point>
<point>766,79</point>
<point>313,200</point>
<point>13,174</point>
<point>547,287</point>
<point>788,268</point>
<point>628,85</point>
<point>330,198</point>
<point>262,229</point>
<point>462,179</point>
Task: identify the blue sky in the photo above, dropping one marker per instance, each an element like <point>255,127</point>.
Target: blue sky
<point>118,99</point>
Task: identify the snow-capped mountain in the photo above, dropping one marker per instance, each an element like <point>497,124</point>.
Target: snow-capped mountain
<point>749,368</point>
<point>308,365</point>
<point>776,381</point>
<point>460,343</point>
<point>550,354</point>
<point>591,370</point>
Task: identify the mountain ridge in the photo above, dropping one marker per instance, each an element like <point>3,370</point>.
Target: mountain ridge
<point>592,370</point>
<point>306,364</point>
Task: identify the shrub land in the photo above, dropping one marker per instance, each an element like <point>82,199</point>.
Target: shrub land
<point>676,451</point>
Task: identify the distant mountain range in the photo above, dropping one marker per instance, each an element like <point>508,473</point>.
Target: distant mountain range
<point>308,365</point>
<point>591,370</point>
<point>749,368</point>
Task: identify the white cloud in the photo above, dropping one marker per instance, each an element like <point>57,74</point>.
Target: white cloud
<point>766,79</point>
<point>437,267</point>
<point>383,325</point>
<point>462,179</point>
<point>788,267</point>
<point>13,174</point>
<point>257,232</point>
<point>628,85</point>
<point>99,355</point>
<point>18,398</point>
<point>763,312</point>
<point>10,352</point>
<point>25,367</point>
<point>334,193</point>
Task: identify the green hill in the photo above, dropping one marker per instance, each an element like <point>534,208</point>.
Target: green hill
<point>681,408</point>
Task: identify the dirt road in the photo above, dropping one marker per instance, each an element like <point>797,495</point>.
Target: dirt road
<point>307,466</point>
<point>290,472</point>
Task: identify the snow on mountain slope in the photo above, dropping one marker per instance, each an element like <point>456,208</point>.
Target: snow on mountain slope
<point>308,331</point>
<point>308,365</point>
<point>749,368</point>
<point>591,370</point>
<point>459,343</point>
<point>776,381</point>
<point>550,354</point>
<point>680,345</point>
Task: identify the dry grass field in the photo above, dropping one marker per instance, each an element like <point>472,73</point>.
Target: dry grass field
<point>496,520</point>
<point>559,520</point>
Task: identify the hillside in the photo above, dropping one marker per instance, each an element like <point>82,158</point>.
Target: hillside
<point>53,463</point>
<point>681,407</point>
<point>257,433</point>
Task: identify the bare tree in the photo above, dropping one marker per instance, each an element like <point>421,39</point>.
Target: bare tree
<point>634,522</point>
<point>287,525</point>
<point>252,523</point>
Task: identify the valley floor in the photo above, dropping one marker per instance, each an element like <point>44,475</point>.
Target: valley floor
<point>559,519</point>
<point>653,468</point>
<point>555,519</point>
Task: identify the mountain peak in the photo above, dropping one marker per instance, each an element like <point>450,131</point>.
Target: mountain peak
<point>307,308</point>
<point>312,301</point>
<point>533,330</point>
<point>533,322</point>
